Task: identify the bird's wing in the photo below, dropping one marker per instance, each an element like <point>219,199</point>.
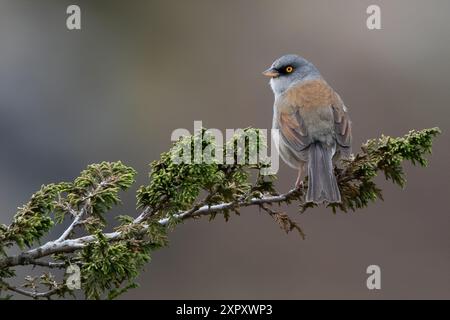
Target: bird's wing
<point>308,95</point>
<point>293,131</point>
<point>342,123</point>
<point>311,94</point>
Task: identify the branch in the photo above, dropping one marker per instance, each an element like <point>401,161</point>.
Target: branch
<point>47,264</point>
<point>72,245</point>
<point>34,295</point>
<point>110,259</point>
<point>68,231</point>
<point>208,210</point>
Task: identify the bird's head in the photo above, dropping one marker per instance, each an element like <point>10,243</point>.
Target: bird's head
<point>289,69</point>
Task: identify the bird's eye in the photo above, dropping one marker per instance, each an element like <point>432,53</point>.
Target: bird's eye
<point>289,69</point>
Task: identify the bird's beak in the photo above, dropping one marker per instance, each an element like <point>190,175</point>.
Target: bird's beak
<point>271,72</point>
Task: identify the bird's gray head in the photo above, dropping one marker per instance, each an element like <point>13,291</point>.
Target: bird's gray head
<point>289,69</point>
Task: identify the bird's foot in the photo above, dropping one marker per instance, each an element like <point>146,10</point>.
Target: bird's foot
<point>299,184</point>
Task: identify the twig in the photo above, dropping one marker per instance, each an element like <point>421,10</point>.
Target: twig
<point>34,295</point>
<point>79,215</point>
<point>71,245</point>
<point>48,264</point>
<point>207,210</point>
<point>68,231</point>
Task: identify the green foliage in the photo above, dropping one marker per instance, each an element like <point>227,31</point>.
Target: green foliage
<point>385,154</point>
<point>116,292</point>
<point>175,186</point>
<point>152,233</point>
<point>5,273</point>
<point>109,265</point>
<point>91,195</point>
<point>32,220</point>
<point>97,188</point>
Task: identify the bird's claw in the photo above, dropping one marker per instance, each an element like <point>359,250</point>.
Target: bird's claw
<point>299,185</point>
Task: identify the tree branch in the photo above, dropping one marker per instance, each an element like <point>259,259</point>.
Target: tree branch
<point>172,196</point>
<point>34,295</point>
<point>72,245</point>
<point>69,230</point>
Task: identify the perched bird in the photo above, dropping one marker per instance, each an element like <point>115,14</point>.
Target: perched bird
<point>313,125</point>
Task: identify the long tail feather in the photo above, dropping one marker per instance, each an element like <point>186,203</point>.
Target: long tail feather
<point>322,184</point>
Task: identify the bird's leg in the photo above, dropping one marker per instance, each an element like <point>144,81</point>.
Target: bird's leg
<point>301,172</point>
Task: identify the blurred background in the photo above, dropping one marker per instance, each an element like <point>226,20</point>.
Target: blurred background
<point>140,69</point>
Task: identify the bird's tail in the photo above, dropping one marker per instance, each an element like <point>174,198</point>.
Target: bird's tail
<point>322,184</point>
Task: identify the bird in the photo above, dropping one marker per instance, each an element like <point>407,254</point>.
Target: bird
<point>313,131</point>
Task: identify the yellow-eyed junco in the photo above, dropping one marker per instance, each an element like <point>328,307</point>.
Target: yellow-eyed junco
<point>313,123</point>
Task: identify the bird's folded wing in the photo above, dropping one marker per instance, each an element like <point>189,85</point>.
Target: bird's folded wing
<point>293,131</point>
<point>311,94</point>
<point>342,123</point>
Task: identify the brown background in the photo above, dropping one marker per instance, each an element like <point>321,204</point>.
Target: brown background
<point>139,69</point>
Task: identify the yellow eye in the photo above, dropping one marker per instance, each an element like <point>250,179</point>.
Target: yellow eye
<point>289,69</point>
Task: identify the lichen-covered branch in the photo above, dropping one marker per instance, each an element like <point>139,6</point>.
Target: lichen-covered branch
<point>109,262</point>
